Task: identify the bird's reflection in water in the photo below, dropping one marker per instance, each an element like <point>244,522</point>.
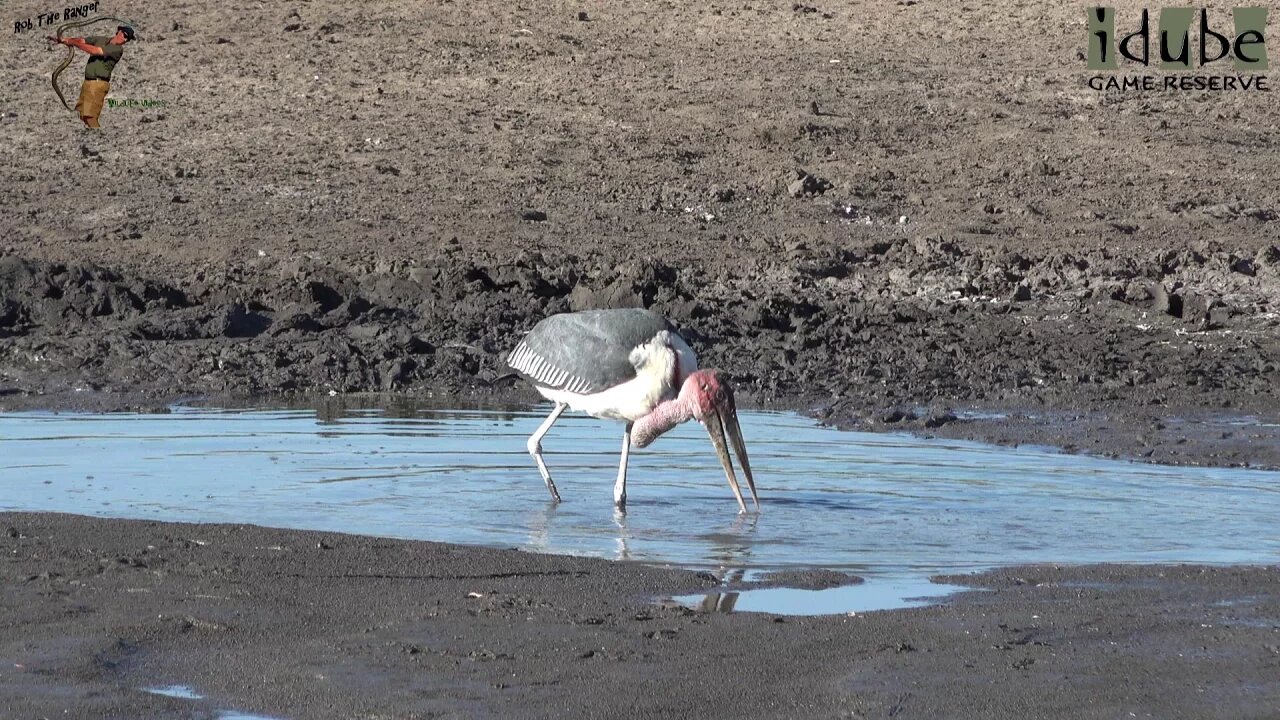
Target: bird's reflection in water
<point>730,547</point>
<point>718,602</point>
<point>620,521</point>
<point>540,527</point>
<point>732,550</point>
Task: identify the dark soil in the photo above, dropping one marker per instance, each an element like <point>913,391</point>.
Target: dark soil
<point>1087,365</point>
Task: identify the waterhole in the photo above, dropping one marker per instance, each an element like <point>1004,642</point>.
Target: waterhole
<point>893,509</point>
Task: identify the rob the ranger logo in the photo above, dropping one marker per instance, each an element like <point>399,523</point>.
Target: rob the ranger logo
<point>1175,47</point>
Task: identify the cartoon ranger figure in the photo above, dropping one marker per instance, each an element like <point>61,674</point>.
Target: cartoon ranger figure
<point>104,52</point>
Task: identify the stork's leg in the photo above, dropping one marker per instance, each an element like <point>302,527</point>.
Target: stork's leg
<point>620,487</point>
<point>535,448</point>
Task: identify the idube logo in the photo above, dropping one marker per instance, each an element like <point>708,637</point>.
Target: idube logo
<point>1182,48</point>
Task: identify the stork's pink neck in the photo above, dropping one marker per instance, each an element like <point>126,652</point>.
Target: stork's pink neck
<point>662,418</point>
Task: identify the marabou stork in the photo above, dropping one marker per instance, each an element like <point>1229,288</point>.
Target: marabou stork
<point>629,365</point>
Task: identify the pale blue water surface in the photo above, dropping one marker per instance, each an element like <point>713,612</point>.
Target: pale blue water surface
<point>889,507</point>
<point>186,692</point>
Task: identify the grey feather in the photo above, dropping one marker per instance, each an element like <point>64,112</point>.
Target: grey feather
<point>585,352</point>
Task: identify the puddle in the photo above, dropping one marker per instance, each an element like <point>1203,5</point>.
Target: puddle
<point>175,691</point>
<point>186,692</point>
<point>879,594</point>
<point>973,414</point>
<point>889,508</point>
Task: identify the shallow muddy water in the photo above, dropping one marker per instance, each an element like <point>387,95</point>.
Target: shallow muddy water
<point>891,508</point>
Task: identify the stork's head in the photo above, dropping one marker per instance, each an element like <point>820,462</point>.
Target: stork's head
<point>711,399</point>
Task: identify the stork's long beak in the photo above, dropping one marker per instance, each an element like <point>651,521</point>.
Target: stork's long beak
<point>725,421</point>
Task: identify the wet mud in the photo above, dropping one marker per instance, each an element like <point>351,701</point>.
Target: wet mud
<point>96,611</point>
<point>1106,372</point>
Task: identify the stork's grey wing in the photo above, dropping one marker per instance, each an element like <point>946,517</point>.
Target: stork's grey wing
<point>585,352</point>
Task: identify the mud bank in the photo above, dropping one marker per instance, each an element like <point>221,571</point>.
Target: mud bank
<point>298,624</point>
<point>1111,358</point>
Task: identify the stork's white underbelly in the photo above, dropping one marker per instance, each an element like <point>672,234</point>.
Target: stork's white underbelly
<point>656,365</point>
<point>629,401</point>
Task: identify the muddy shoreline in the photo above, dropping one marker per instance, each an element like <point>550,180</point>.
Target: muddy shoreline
<point>95,610</point>
<point>1109,373</point>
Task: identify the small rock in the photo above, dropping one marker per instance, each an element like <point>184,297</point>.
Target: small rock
<point>1022,293</point>
<point>1195,308</point>
<point>1244,266</point>
<point>896,415</point>
<point>533,215</point>
<point>808,185</point>
<point>1043,167</point>
<point>1162,301</point>
<point>847,212</point>
<point>1223,211</point>
<point>1267,257</point>
<point>939,418</point>
<point>583,17</point>
<point>1136,292</point>
<point>1218,316</point>
<point>424,276</point>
